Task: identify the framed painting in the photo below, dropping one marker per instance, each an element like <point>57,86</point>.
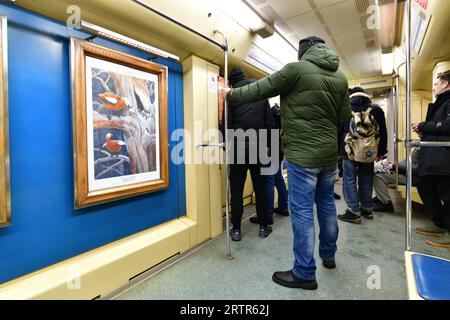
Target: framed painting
<point>120,124</point>
<point>5,198</point>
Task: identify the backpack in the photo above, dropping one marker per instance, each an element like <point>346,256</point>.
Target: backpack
<point>361,143</point>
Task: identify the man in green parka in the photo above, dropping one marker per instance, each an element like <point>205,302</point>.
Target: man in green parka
<point>314,102</point>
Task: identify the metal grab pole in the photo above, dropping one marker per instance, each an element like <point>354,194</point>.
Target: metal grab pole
<point>408,127</point>
<point>225,122</point>
<point>396,140</point>
<point>395,105</point>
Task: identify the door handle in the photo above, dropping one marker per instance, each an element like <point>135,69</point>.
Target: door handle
<point>211,145</point>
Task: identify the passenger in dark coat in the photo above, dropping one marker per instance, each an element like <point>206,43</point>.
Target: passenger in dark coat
<point>276,180</point>
<point>434,163</point>
<point>248,117</point>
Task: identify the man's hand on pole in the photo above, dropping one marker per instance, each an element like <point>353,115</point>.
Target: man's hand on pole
<point>223,91</point>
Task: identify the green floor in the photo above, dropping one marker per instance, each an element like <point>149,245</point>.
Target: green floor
<point>376,245</point>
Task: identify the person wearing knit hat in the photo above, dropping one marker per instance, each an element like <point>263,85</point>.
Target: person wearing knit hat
<point>247,117</point>
<point>358,92</point>
<point>313,102</point>
<point>305,44</point>
<point>236,75</point>
<point>358,176</point>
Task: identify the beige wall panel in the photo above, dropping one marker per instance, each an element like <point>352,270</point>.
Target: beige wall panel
<point>197,175</point>
<point>215,154</point>
<point>102,271</point>
<point>203,177</point>
<point>191,200</point>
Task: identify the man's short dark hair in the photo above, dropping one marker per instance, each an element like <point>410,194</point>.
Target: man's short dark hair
<point>444,76</point>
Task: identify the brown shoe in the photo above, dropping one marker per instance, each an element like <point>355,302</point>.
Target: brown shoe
<point>431,231</point>
<point>442,243</point>
<point>445,245</point>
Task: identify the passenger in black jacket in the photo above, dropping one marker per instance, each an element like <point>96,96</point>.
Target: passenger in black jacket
<point>358,177</point>
<point>250,118</point>
<point>434,163</point>
<point>276,180</point>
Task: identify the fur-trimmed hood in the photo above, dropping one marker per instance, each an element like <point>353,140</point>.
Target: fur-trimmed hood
<point>359,94</point>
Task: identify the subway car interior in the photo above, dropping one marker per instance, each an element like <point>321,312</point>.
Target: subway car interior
<point>130,192</point>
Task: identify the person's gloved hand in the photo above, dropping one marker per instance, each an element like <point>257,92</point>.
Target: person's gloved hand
<point>390,166</point>
<point>223,91</point>
<point>416,128</point>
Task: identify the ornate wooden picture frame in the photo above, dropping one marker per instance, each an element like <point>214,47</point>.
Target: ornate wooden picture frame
<point>120,124</point>
<point>5,196</point>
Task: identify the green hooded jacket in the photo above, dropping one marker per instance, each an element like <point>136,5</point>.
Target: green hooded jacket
<point>314,102</point>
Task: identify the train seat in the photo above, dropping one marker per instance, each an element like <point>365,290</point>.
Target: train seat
<point>428,277</point>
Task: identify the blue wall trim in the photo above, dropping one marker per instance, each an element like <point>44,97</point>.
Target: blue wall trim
<point>45,227</point>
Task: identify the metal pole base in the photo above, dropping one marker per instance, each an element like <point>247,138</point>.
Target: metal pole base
<point>228,256</point>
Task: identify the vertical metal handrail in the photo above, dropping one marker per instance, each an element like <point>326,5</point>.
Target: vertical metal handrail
<point>398,105</point>
<point>395,100</point>
<point>408,127</point>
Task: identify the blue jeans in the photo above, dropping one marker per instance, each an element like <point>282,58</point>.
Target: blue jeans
<point>276,181</point>
<point>358,186</point>
<point>306,187</point>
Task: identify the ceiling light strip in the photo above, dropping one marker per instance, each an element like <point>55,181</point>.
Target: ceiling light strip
<point>97,30</point>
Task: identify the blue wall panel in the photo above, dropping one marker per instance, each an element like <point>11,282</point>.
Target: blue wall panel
<point>45,227</point>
